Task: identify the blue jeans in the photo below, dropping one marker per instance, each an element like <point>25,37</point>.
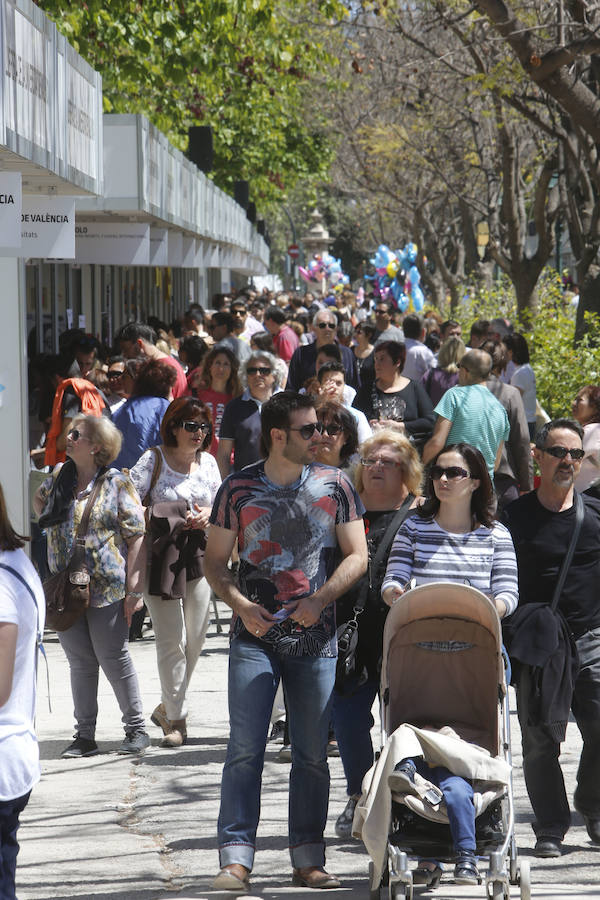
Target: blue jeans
<point>458,794</point>
<point>254,673</point>
<point>10,810</point>
<point>352,723</point>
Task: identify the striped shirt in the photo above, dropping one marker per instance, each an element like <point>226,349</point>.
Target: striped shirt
<point>484,559</point>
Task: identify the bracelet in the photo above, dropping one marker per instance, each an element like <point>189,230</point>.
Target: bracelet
<point>137,595</point>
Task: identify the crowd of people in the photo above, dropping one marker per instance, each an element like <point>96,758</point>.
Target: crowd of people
<point>305,458</point>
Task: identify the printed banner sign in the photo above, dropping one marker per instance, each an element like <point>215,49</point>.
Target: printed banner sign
<point>10,209</point>
<point>113,243</point>
<point>47,229</point>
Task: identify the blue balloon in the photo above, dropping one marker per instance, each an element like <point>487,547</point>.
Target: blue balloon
<point>417,298</point>
<point>414,276</point>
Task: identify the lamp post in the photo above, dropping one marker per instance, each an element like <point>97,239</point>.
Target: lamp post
<point>316,240</point>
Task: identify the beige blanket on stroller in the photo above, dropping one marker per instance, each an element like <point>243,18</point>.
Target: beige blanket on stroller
<point>489,775</point>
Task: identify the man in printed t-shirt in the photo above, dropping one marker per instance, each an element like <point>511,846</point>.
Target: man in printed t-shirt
<point>294,521</point>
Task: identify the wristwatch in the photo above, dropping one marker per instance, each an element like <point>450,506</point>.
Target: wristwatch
<point>136,594</point>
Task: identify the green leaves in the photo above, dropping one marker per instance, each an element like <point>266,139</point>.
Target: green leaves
<point>241,66</point>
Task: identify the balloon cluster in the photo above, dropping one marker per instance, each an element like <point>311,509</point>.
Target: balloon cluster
<point>398,277</point>
<point>324,267</point>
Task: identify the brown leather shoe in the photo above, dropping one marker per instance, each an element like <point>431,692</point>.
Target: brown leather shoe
<point>234,878</point>
<point>159,717</point>
<point>314,877</point>
<point>176,736</point>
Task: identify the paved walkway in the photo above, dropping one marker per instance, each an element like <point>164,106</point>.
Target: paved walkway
<point>112,828</point>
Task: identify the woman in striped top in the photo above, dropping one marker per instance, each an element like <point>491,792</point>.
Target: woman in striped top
<point>453,536</point>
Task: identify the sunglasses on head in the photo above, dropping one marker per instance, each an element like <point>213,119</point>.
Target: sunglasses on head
<point>323,325</point>
<point>562,452</point>
<point>258,370</point>
<point>307,431</point>
<point>75,434</point>
<point>452,473</point>
<point>194,427</point>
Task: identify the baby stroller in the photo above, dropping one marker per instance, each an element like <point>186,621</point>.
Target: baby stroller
<point>442,666</point>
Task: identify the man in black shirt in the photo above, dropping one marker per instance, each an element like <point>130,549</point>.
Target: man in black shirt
<point>541,524</point>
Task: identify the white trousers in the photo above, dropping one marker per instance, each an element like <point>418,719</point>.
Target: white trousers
<point>180,628</point>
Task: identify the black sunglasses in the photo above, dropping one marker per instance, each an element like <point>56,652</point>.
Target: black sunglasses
<point>562,452</point>
<point>115,374</point>
<point>452,473</point>
<point>307,431</point>
<point>258,370</point>
<point>331,429</point>
<point>239,312</point>
<point>193,427</point>
<point>322,325</point>
<point>75,434</point>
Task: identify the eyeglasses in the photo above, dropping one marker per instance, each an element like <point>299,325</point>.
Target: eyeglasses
<point>381,312</point>
<point>371,461</point>
<point>193,427</point>
<point>562,452</point>
<point>307,431</point>
<point>258,370</point>
<point>75,434</point>
<point>329,325</point>
<point>115,374</point>
<point>331,429</point>
<point>452,473</point>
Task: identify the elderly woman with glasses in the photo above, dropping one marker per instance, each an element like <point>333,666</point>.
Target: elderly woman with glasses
<point>240,425</point>
<point>454,537</point>
<point>179,482</point>
<point>115,558</point>
<point>388,481</point>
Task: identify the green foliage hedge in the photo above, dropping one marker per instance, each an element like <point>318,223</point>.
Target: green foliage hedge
<point>561,367</point>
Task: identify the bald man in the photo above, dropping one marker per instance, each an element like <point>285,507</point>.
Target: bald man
<point>469,412</point>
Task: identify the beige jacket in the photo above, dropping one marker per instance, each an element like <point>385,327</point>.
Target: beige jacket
<point>490,776</point>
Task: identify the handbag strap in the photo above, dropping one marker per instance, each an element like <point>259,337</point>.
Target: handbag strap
<point>579,514</point>
<point>383,551</point>
<point>156,469</point>
<point>83,526</point>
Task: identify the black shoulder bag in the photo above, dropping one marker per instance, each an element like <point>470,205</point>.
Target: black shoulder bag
<point>347,634</point>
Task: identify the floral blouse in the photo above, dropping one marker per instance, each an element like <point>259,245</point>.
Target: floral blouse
<point>117,517</point>
<point>199,488</point>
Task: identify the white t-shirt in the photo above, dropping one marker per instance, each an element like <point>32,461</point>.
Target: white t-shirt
<point>524,378</point>
<point>19,755</point>
<point>198,488</point>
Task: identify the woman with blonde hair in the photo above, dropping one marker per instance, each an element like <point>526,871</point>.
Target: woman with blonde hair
<point>437,381</point>
<point>115,560</point>
<point>388,480</point>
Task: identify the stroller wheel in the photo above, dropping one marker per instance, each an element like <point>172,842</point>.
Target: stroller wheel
<point>525,879</point>
<point>399,891</point>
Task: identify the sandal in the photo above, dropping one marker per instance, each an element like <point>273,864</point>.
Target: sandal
<point>427,877</point>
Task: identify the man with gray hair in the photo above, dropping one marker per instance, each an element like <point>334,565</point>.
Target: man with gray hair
<point>470,413</point>
<point>302,363</point>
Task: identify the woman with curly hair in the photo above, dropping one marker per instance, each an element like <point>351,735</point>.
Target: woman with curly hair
<point>139,418</point>
<point>218,384</point>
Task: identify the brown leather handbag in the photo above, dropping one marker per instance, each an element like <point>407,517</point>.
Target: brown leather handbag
<point>68,592</point>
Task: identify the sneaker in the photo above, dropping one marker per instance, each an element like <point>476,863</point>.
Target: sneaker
<point>332,748</point>
<point>402,779</point>
<point>343,824</point>
<point>135,741</point>
<point>285,754</point>
<point>465,870</point>
<point>277,731</point>
<point>548,847</point>
<point>80,747</point>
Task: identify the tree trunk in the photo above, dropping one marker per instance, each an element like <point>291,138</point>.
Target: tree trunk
<point>589,300</point>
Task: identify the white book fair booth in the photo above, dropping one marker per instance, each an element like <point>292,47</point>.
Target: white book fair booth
<point>101,221</point>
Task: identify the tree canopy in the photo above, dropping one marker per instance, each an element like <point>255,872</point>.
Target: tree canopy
<point>243,67</point>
